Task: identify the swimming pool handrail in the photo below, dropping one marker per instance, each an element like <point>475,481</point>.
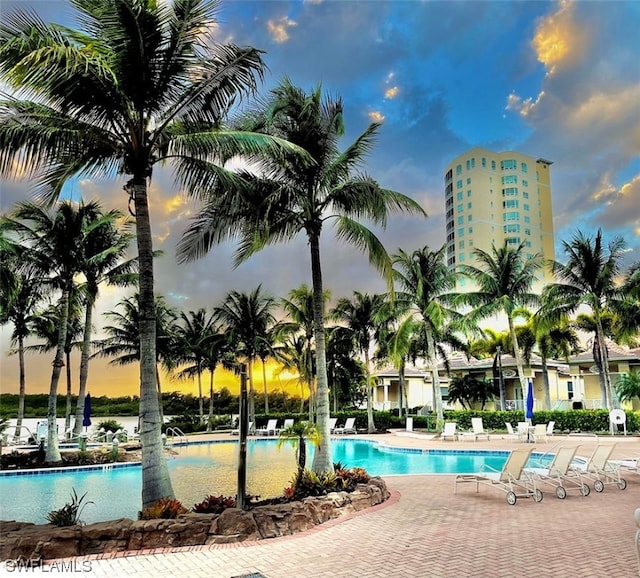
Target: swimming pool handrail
<point>16,436</point>
<point>176,432</point>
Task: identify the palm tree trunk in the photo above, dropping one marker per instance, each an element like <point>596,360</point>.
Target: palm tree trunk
<point>545,379</point>
<point>159,387</point>
<point>16,435</point>
<point>211,372</point>
<point>52,455</point>
<point>67,411</point>
<point>604,359</point>
<point>200,398</point>
<point>371,426</point>
<point>401,392</point>
<point>252,393</point>
<point>518,356</point>
<point>156,483</point>
<point>84,367</point>
<point>435,375</point>
<point>264,385</point>
<point>322,460</point>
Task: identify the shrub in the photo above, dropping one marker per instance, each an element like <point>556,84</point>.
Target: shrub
<point>166,508</point>
<point>347,480</point>
<point>214,505</point>
<point>69,514</point>
<point>111,425</point>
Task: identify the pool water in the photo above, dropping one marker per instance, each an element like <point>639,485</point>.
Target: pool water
<point>202,469</point>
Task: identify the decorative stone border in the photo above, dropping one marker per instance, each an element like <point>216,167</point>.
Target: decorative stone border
<point>44,542</point>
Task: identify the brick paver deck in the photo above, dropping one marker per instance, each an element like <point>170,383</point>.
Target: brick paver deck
<point>427,531</point>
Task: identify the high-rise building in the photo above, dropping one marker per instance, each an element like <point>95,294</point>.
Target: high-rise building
<point>494,197</point>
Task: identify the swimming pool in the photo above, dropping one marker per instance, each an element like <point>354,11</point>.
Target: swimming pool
<point>210,468</point>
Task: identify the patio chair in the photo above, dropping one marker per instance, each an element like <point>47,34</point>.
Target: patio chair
<point>449,431</point>
<point>539,433</point>
<point>628,465</point>
<point>600,468</point>
<point>332,424</point>
<point>271,429</point>
<point>512,435</point>
<point>559,474</point>
<point>523,431</point>
<point>550,427</point>
<point>348,427</point>
<point>288,423</point>
<point>511,479</point>
<point>251,430</point>
<point>478,428</point>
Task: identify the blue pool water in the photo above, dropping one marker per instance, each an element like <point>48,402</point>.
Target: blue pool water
<point>201,469</point>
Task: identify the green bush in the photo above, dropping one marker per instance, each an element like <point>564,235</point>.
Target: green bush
<point>214,505</point>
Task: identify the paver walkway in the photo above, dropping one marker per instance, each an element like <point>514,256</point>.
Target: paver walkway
<point>426,531</point>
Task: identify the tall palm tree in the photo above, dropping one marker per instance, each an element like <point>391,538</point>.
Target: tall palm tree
<point>56,241</point>
<point>291,195</point>
<point>247,317</point>
<point>20,294</point>
<point>589,277</point>
<point>106,247</point>
<point>216,347</point>
<point>193,332</point>
<point>425,284</point>
<point>362,317</point>
<point>298,434</point>
<point>141,82</point>
<point>627,309</point>
<point>504,279</point>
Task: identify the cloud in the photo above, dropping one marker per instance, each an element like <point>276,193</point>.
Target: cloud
<point>375,116</point>
<point>619,207</point>
<point>279,29</point>
<point>391,92</point>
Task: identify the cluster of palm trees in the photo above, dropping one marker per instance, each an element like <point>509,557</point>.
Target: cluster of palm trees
<point>144,83</point>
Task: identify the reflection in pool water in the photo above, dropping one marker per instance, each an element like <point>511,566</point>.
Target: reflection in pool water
<point>198,470</point>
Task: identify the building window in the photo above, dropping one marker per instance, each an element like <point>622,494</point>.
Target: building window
<point>510,204</point>
<point>473,163</point>
<point>527,232</point>
<point>469,205</point>
<point>468,164</point>
<point>525,183</point>
<point>460,220</point>
<point>459,195</point>
<point>470,242</point>
<point>508,165</point>
<point>523,167</point>
<point>459,184</point>
<point>461,257</point>
<point>510,192</point>
<point>527,219</point>
<point>470,230</point>
<point>513,240</point>
<point>461,232</point>
<point>526,206</point>
<point>468,193</point>
<point>511,216</point>
<point>493,165</point>
<point>460,207</point>
<point>512,228</point>
<point>461,245</point>
<point>469,218</point>
<point>458,170</point>
<point>484,162</point>
<point>509,180</point>
<point>525,194</point>
<point>468,180</point>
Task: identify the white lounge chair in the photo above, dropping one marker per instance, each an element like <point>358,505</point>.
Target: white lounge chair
<point>600,468</point>
<point>539,433</point>
<point>628,465</point>
<point>511,479</point>
<point>348,427</point>
<point>478,428</point>
<point>271,429</point>
<point>288,423</point>
<point>332,424</point>
<point>550,427</point>
<point>523,431</point>
<point>449,431</point>
<point>559,473</point>
<point>251,430</point>
<point>510,431</point>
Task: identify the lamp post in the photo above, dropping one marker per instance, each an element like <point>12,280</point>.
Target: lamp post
<point>244,429</point>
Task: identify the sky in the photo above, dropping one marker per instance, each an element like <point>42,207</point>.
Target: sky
<point>558,80</point>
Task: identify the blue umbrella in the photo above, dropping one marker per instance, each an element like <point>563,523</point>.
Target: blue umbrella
<point>86,418</point>
<point>529,409</point>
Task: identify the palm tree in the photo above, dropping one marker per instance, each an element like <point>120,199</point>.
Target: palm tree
<point>142,82</point>
<point>20,294</point>
<point>123,341</point>
<point>588,278</point>
<point>362,315</point>
<point>193,332</point>
<point>396,345</point>
<point>292,195</point>
<point>628,388</point>
<point>425,283</point>
<point>297,434</point>
<point>247,318</point>
<point>216,347</point>
<point>106,247</point>
<point>627,309</point>
<point>56,242</point>
<point>504,280</point>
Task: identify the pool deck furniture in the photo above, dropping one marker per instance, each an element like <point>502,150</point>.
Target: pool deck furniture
<point>449,431</point>
<point>349,427</point>
<point>478,428</point>
<point>601,469</point>
<point>332,424</point>
<point>511,479</point>
<point>271,429</point>
<point>559,475</point>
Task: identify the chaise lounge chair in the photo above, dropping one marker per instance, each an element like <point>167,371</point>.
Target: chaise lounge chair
<point>512,480</point>
<point>271,429</point>
<point>600,468</point>
<point>348,427</point>
<point>559,473</point>
<point>332,424</point>
<point>449,431</point>
<point>478,428</point>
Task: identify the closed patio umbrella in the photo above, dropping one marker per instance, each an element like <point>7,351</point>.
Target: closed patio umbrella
<point>529,407</point>
<point>86,418</point>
